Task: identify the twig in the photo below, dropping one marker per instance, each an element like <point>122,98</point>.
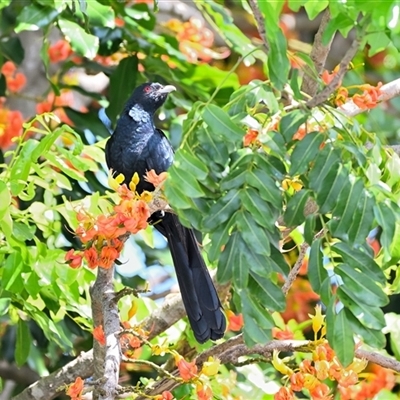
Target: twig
<point>379,359</point>
<point>318,55</point>
<point>296,268</point>
<point>333,85</point>
<point>260,23</point>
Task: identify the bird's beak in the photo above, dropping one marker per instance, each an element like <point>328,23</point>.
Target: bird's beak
<point>167,89</point>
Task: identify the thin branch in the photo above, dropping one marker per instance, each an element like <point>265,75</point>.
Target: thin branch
<point>318,55</point>
<point>296,268</point>
<point>260,23</point>
<point>335,83</point>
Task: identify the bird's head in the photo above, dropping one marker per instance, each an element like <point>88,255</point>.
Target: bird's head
<point>150,96</point>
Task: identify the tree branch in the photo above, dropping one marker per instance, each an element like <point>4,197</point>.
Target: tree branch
<point>335,83</point>
<point>260,22</point>
<point>318,55</point>
<point>108,357</point>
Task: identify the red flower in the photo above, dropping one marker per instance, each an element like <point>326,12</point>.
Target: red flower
<point>10,126</point>
<point>75,389</point>
<point>235,322</point>
<point>187,370</point>
<point>98,334</point>
<point>59,51</point>
<point>284,393</point>
<point>91,257</point>
<point>107,257</point>
<point>73,259</point>
<point>250,137</point>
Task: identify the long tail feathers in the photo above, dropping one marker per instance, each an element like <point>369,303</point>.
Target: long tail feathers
<point>199,296</point>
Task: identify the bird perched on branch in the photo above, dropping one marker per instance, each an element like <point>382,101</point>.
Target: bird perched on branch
<point>138,146</point>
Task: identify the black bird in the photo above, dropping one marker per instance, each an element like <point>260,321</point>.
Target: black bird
<point>138,146</point>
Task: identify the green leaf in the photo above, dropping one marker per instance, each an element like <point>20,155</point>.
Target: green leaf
<point>33,16</point>
<point>278,62</point>
<point>218,240</point>
<point>294,213</point>
<point>228,259</point>
<point>343,341</point>
<point>20,170</point>
<point>309,228</point>
<point>220,123</point>
<point>4,305</point>
<point>23,343</point>
<point>291,122</point>
<point>330,189</point>
<point>222,210</point>
<point>317,273</point>
<point>11,48</point>
<point>217,150</point>
<point>370,316</point>
<point>372,337</point>
<point>188,183</point>
<point>254,235</point>
<point>266,186</point>
<point>82,42</point>
<point>342,22</point>
<point>305,152</point>
<point>176,197</point>
<point>5,199</point>
<point>122,84</point>
<point>313,8</point>
<point>99,14</point>
<point>358,285</point>
<point>260,210</point>
<point>377,41</point>
<point>191,164</point>
<point>3,4</point>
<point>257,321</point>
<point>268,294</point>
<point>386,218</point>
<point>360,260</point>
<point>22,231</point>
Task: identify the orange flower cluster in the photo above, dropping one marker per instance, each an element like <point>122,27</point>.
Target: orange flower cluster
<point>369,98</point>
<point>101,234</point>
<point>59,51</point>
<point>195,40</point>
<point>10,125</point>
<point>250,137</point>
<point>15,80</point>
<point>311,374</point>
<point>376,379</point>
<point>130,343</point>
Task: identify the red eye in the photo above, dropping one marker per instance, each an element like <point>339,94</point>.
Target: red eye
<point>147,89</point>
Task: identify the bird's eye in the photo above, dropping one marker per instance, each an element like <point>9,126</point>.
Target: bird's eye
<point>147,89</point>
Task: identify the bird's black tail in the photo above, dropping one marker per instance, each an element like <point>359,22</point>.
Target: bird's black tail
<point>199,296</point>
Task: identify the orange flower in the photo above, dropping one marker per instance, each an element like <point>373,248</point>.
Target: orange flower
<point>73,259</point>
<point>284,393</point>
<point>166,395</point>
<point>301,132</point>
<point>287,334</point>
<point>327,77</point>
<point>204,393</point>
<point>110,227</point>
<point>107,257</point>
<point>91,257</point>
<point>10,126</point>
<point>156,180</point>
<point>187,370</point>
<point>297,381</point>
<point>369,98</point>
<point>320,392</point>
<point>235,322</point>
<point>99,335</point>
<point>15,80</point>
<point>342,96</point>
<point>250,137</point>
<point>75,389</point>
<point>59,51</point>
<point>307,367</point>
<point>8,68</point>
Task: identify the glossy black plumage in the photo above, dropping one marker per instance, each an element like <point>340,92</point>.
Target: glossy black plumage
<point>138,146</point>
